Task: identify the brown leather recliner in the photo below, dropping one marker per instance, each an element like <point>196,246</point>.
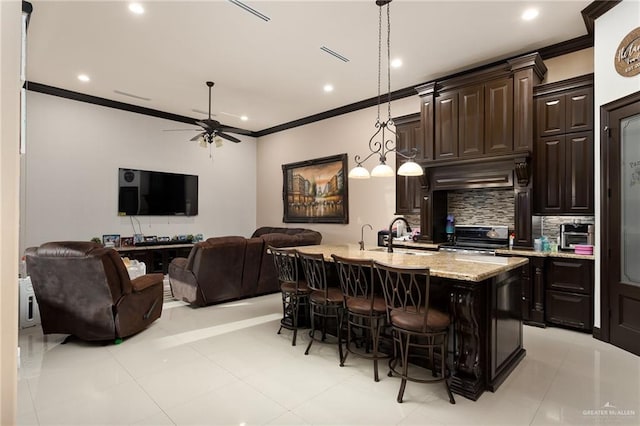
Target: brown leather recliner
<point>212,272</point>
<point>83,289</point>
<point>226,268</point>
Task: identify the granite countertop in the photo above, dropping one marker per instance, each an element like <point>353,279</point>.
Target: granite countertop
<point>530,252</point>
<point>463,267</point>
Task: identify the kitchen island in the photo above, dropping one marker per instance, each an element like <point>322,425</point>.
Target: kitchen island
<point>482,294</point>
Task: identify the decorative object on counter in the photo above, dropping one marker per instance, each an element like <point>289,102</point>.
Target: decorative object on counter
<point>512,238</point>
<point>316,191</point>
<point>537,244</point>
<point>138,238</point>
<point>583,249</point>
<point>96,240</point>
<point>197,238</point>
<point>384,146</point>
<point>450,227</point>
<point>163,239</point>
<point>111,240</point>
<point>126,241</point>
<point>150,239</point>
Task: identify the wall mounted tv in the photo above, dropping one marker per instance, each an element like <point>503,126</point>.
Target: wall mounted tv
<point>147,193</point>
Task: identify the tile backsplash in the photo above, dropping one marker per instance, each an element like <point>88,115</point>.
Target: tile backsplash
<point>482,207</point>
<point>550,225</point>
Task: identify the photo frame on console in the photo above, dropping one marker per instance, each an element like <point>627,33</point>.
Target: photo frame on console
<point>111,240</point>
<point>316,191</point>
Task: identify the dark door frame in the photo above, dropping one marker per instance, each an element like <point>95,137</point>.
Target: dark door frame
<point>605,261</point>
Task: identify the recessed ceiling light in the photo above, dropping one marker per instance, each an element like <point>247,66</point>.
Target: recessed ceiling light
<point>328,88</point>
<point>396,63</point>
<point>83,77</point>
<point>244,118</point>
<point>530,14</point>
<point>136,8</point>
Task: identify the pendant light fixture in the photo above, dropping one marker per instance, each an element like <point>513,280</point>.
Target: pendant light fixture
<point>383,140</point>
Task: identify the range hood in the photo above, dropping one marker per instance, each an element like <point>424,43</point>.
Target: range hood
<point>478,174</point>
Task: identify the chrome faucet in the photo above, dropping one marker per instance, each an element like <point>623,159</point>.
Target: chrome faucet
<point>361,242</point>
<point>390,243</point>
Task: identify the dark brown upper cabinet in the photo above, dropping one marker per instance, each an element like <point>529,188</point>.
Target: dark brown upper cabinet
<point>498,113</point>
<point>481,114</point>
<point>446,125</point>
<point>409,135</point>
<point>565,112</point>
<point>563,154</point>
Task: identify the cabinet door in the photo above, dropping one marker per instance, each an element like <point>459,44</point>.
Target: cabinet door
<point>549,177</point>
<point>425,142</point>
<point>551,115</point>
<point>471,121</point>
<point>446,140</point>
<point>579,173</point>
<point>579,110</point>
<point>498,115</point>
<point>407,187</point>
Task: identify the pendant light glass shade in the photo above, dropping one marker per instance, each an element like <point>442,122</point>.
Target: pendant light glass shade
<point>359,172</point>
<point>383,170</point>
<point>410,168</point>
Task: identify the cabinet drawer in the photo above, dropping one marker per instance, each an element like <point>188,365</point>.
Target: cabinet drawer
<point>569,309</point>
<point>573,275</point>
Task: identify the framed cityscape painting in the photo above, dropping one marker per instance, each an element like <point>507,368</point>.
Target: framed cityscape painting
<point>316,191</point>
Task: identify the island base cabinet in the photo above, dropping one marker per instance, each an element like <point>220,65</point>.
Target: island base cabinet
<point>569,309</point>
<point>487,332</point>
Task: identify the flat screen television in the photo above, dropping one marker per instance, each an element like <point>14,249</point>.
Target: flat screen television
<point>149,193</point>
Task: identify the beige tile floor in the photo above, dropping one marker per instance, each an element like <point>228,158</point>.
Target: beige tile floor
<point>225,365</point>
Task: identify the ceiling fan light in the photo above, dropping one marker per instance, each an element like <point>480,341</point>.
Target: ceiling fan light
<point>382,170</point>
<point>218,142</point>
<point>410,168</point>
<point>359,172</point>
<point>202,141</point>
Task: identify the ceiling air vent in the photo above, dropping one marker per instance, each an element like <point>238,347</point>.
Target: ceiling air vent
<point>334,54</point>
<point>250,10</point>
<point>131,95</point>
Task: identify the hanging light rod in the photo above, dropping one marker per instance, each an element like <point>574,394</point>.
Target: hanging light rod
<point>382,143</point>
<point>250,10</point>
<point>334,53</point>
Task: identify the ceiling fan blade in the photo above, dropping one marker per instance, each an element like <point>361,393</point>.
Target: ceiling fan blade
<point>182,130</point>
<point>203,124</point>
<point>196,137</point>
<point>236,130</point>
<point>228,137</point>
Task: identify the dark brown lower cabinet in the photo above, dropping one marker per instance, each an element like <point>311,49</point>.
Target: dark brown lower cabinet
<point>156,258</point>
<point>533,292</point>
<point>569,294</point>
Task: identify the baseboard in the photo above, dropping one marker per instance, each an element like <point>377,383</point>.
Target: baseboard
<point>597,334</point>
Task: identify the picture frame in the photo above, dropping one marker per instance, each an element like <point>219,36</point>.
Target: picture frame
<point>316,191</point>
<point>111,240</point>
<point>126,242</point>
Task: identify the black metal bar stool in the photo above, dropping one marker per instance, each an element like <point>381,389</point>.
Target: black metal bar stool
<point>364,310</point>
<point>295,292</point>
<point>414,324</point>
<point>326,302</point>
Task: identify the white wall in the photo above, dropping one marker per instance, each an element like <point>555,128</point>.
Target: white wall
<point>10,18</point>
<point>74,150</point>
<point>370,201</point>
<point>610,29</point>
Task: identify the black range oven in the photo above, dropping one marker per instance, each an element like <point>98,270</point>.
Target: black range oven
<point>478,239</point>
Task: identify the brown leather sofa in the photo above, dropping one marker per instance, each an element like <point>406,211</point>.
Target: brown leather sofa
<point>227,268</point>
<point>83,289</point>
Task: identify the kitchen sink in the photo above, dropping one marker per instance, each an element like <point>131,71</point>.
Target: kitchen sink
<point>406,251</point>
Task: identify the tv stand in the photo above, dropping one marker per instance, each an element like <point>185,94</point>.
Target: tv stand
<point>156,256</point>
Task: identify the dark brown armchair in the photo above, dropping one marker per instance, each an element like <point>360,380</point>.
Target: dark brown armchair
<point>84,290</point>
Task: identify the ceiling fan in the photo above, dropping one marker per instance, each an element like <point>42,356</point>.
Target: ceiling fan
<point>213,128</point>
